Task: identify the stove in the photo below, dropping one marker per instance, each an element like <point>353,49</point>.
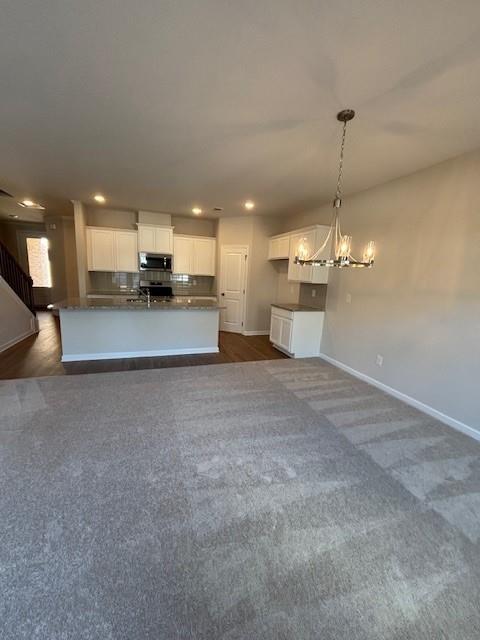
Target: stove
<point>158,291</point>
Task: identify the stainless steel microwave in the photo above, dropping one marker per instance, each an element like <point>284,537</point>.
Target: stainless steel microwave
<point>154,261</point>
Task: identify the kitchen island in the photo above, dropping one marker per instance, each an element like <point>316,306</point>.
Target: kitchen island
<point>108,328</point>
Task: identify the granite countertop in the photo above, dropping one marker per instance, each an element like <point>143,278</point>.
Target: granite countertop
<point>122,304</point>
<point>292,306</point>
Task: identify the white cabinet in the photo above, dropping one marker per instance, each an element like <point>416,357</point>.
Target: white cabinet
<point>100,249</point>
<point>146,239</point>
<point>155,239</point>
<point>297,333</point>
<point>126,251</point>
<point>204,256</point>
<point>311,238</point>
<point>182,254</point>
<point>193,255</point>
<point>281,332</point>
<point>279,247</point>
<point>111,250</point>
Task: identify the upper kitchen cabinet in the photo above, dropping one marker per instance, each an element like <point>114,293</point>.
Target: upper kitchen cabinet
<point>155,239</point>
<point>193,255</point>
<point>112,250</point>
<point>204,256</point>
<point>182,254</point>
<point>126,251</point>
<point>312,238</point>
<point>100,249</point>
<point>279,247</point>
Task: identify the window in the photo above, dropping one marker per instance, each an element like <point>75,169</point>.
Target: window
<point>39,262</point>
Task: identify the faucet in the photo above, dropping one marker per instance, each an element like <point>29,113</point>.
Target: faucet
<point>145,295</point>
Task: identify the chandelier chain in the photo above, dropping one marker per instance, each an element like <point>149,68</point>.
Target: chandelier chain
<point>338,193</point>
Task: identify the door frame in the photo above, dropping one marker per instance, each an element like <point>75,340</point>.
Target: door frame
<point>246,249</point>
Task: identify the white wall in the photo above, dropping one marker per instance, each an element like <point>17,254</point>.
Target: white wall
<point>194,226</point>
<point>419,307</point>
<point>16,321</point>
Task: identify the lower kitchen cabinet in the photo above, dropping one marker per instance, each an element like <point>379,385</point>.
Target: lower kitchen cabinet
<point>296,332</point>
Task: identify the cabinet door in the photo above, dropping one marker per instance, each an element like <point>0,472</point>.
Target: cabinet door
<point>182,255</point>
<point>286,334</point>
<point>126,252</point>
<point>275,329</point>
<point>163,240</point>
<point>146,239</point>
<point>283,247</point>
<point>273,247</point>
<point>100,249</point>
<point>278,248</point>
<point>204,257</point>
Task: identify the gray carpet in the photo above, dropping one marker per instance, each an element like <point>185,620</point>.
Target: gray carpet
<point>274,500</point>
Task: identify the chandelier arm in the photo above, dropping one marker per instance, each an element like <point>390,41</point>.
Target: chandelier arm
<point>319,251</point>
<point>315,255</point>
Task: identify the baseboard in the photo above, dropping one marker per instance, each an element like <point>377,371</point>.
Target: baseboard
<point>117,355</point>
<point>18,339</point>
<point>421,406</point>
<point>266,332</point>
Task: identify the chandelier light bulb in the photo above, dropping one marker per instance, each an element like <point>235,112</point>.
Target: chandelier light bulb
<point>303,249</point>
<point>369,252</point>
<point>344,246</point>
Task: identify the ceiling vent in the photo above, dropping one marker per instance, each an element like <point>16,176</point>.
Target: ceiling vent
<point>5,194</point>
<point>217,209</point>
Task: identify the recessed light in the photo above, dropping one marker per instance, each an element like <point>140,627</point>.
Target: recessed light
<point>197,211</point>
<point>99,198</point>
<point>30,204</point>
<point>13,215</point>
<point>249,205</point>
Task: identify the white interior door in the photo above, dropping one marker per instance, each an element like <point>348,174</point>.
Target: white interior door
<point>233,271</point>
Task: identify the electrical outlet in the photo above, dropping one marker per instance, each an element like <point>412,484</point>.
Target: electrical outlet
<point>348,298</point>
<point>379,360</point>
<point>314,293</point>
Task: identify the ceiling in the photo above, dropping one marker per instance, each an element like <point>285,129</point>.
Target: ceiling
<point>166,104</point>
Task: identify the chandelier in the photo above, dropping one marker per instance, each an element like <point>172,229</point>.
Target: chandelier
<point>343,243</point>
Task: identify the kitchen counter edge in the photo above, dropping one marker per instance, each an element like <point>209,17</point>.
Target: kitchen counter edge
<point>109,304</point>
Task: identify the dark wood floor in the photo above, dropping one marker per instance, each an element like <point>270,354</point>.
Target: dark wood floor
<point>40,355</point>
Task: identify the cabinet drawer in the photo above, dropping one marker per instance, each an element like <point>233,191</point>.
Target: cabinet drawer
<point>282,313</point>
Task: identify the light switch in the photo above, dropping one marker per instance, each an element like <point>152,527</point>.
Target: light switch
<point>314,293</point>
<point>348,298</point>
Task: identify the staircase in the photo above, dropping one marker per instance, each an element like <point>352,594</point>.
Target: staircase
<point>16,278</point>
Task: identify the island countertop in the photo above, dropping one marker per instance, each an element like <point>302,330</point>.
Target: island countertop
<point>123,304</point>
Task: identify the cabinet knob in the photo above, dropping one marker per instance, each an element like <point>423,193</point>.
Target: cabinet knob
<point>222,294</point>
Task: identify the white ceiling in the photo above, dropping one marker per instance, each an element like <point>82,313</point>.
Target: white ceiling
<point>164,104</point>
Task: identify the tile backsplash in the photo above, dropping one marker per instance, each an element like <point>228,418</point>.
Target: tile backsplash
<point>317,301</point>
<point>108,283</point>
